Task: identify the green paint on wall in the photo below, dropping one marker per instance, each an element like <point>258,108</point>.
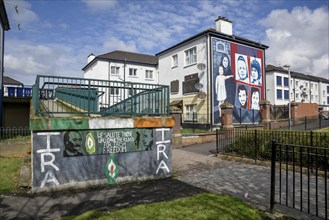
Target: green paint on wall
<point>69,123</point>
<point>111,169</point>
<point>37,124</point>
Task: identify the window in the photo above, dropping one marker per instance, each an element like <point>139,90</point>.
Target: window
<point>296,83</point>
<point>311,97</point>
<point>316,86</point>
<point>190,56</point>
<point>297,95</point>
<point>190,112</point>
<point>316,97</point>
<point>189,83</point>
<point>324,93</point>
<point>285,81</point>
<point>114,91</point>
<point>279,93</point>
<point>148,74</point>
<point>174,86</point>
<point>115,70</point>
<point>132,72</point>
<point>328,100</point>
<point>278,80</point>
<point>175,60</point>
<point>306,84</point>
<point>311,85</point>
<point>286,94</point>
<point>328,89</point>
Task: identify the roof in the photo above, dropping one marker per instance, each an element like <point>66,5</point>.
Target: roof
<point>3,16</point>
<point>272,68</point>
<point>125,56</point>
<point>10,81</point>
<point>213,32</point>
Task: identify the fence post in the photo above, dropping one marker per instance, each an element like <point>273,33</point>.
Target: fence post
<point>193,120</point>
<point>89,97</point>
<point>256,150</point>
<point>320,123</point>
<point>273,159</point>
<point>217,139</point>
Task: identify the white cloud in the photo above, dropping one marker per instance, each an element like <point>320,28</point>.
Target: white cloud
<point>26,60</point>
<point>100,5</point>
<point>25,16</point>
<point>299,38</point>
<point>114,43</point>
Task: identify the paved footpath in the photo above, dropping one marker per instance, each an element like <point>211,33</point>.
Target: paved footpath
<point>193,173</point>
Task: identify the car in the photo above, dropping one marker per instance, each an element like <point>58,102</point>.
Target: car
<point>324,116</point>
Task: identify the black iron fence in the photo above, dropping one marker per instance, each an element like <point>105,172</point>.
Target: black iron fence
<point>256,144</point>
<point>299,177</point>
<point>13,132</point>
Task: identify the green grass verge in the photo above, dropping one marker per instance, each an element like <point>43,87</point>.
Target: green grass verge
<point>201,206</point>
<point>190,131</point>
<point>323,130</point>
<point>10,168</point>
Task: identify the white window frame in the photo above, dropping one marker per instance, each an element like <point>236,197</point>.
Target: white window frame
<point>114,91</point>
<point>132,72</point>
<point>115,70</point>
<point>149,74</point>
<point>174,60</point>
<point>189,110</point>
<point>190,56</point>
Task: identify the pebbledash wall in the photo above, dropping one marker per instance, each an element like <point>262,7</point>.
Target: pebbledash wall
<point>78,152</point>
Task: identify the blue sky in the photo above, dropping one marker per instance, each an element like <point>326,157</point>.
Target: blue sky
<point>55,37</point>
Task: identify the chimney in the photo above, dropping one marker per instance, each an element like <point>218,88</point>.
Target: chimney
<point>90,57</point>
<point>224,26</point>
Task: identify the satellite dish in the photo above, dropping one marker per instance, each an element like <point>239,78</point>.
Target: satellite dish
<point>198,86</point>
<point>202,95</point>
<point>201,66</point>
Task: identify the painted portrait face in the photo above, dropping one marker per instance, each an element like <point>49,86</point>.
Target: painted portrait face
<point>75,141</point>
<point>255,100</point>
<point>220,70</point>
<point>225,62</point>
<point>147,137</point>
<point>254,73</point>
<point>242,97</point>
<point>242,69</point>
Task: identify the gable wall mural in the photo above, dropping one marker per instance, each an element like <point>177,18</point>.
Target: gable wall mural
<point>237,78</point>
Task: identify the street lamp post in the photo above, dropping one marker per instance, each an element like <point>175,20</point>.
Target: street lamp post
<point>289,104</point>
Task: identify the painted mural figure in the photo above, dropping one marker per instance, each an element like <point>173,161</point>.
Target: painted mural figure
<point>255,96</point>
<point>229,82</point>
<point>242,69</point>
<point>255,73</point>
<point>220,86</point>
<point>72,143</point>
<point>242,96</point>
<point>147,138</point>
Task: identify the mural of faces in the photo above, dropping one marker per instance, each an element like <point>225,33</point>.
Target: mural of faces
<point>255,71</point>
<point>241,68</point>
<point>255,97</point>
<point>72,143</point>
<point>242,96</point>
<point>225,61</point>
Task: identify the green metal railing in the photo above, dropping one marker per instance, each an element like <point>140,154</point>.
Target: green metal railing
<point>66,96</point>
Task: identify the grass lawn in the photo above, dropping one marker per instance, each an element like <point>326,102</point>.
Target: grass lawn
<point>190,131</point>
<point>201,206</point>
<point>10,168</point>
<point>323,130</point>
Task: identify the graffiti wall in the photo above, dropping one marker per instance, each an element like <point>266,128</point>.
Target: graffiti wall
<point>80,156</point>
<point>238,78</point>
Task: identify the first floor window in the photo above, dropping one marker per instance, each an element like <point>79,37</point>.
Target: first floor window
<point>190,112</point>
<point>278,80</point>
<point>148,74</point>
<point>132,72</point>
<point>285,81</point>
<point>115,70</point>
<point>279,93</point>
<point>175,60</point>
<point>286,94</point>
<point>190,56</point>
<point>328,100</point>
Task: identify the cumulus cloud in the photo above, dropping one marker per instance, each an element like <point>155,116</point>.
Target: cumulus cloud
<point>114,43</point>
<point>299,38</point>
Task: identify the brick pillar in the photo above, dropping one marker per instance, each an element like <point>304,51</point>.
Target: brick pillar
<point>265,114</point>
<point>227,116</point>
<point>294,112</point>
<point>177,135</point>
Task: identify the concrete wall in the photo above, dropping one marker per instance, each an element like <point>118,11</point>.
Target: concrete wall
<point>77,152</point>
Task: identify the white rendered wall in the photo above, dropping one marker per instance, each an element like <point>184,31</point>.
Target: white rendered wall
<point>270,85</point>
<point>168,73</point>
